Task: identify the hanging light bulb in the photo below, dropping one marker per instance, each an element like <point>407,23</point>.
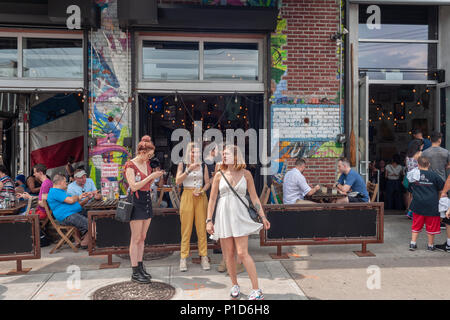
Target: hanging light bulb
<point>176,96</point>
<point>236,99</point>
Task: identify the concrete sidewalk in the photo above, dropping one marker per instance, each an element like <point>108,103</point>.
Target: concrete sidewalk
<point>312,272</point>
<point>195,284</point>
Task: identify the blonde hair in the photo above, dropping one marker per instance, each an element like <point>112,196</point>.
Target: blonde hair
<point>190,147</point>
<point>239,161</point>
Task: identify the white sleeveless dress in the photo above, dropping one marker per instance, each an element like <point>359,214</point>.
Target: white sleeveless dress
<point>232,218</point>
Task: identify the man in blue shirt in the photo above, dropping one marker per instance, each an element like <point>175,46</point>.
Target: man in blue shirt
<point>351,184</point>
<point>68,210</point>
<point>83,184</point>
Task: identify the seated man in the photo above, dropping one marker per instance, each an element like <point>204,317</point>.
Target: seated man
<point>351,184</point>
<point>295,187</point>
<point>67,210</point>
<point>83,184</point>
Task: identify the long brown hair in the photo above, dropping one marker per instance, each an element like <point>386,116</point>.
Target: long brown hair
<point>239,161</point>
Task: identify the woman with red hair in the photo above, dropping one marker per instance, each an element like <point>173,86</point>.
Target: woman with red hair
<point>140,177</point>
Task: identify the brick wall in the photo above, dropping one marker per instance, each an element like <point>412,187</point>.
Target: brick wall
<point>312,58</point>
<point>312,67</point>
<point>321,171</point>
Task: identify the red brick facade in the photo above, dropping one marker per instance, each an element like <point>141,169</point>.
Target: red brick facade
<point>312,65</point>
<point>312,58</point>
<point>321,171</point>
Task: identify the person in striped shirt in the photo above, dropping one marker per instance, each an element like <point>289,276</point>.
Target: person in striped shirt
<point>6,183</point>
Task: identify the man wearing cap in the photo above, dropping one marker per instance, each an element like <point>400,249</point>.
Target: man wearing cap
<point>83,184</point>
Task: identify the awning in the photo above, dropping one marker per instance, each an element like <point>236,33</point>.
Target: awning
<point>147,15</point>
<point>47,13</point>
<point>405,2</point>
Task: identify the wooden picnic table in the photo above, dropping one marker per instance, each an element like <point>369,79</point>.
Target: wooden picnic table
<point>102,204</point>
<point>19,205</point>
<point>328,197</point>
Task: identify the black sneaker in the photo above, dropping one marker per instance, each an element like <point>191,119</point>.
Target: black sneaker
<point>431,248</point>
<point>412,247</point>
<point>443,247</point>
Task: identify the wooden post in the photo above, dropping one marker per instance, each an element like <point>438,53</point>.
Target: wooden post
<point>364,252</point>
<point>110,264</point>
<point>19,270</point>
<point>279,255</point>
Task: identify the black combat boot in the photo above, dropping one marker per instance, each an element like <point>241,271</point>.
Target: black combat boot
<point>143,271</point>
<point>138,276</point>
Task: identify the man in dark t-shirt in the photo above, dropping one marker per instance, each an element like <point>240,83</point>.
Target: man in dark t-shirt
<point>425,204</point>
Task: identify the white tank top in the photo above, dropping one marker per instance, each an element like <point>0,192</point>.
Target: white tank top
<point>194,179</point>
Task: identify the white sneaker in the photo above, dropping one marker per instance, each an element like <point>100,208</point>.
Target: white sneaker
<point>205,263</point>
<point>256,295</point>
<point>183,265</point>
<point>235,292</point>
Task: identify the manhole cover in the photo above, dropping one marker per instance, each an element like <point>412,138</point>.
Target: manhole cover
<point>149,256</point>
<point>134,291</point>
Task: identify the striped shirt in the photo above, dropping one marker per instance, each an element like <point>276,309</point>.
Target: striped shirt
<point>8,187</point>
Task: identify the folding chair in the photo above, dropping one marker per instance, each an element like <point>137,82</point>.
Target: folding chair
<point>277,192</point>
<point>373,188</point>
<point>31,206</point>
<point>265,194</point>
<point>65,232</point>
<point>175,197</point>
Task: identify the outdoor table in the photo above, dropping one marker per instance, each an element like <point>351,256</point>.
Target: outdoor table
<point>102,204</point>
<point>19,205</point>
<point>328,197</point>
<point>161,191</point>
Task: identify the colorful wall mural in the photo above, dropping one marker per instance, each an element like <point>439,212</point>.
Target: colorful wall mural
<point>110,104</point>
<point>296,146</point>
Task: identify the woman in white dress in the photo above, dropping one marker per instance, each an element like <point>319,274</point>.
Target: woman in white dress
<point>233,224</point>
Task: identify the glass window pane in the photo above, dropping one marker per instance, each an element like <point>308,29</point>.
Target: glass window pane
<point>397,56</point>
<point>53,58</point>
<point>231,61</point>
<point>8,57</point>
<point>400,22</point>
<point>173,60</point>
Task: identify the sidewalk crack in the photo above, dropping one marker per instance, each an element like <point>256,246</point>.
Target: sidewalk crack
<point>42,285</point>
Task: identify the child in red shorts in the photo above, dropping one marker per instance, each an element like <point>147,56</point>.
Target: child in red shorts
<point>425,204</point>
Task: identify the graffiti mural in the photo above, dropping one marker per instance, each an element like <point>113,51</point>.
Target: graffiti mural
<point>301,143</point>
<point>109,110</point>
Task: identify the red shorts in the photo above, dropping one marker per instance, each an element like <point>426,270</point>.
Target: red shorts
<point>433,224</point>
<point>43,215</point>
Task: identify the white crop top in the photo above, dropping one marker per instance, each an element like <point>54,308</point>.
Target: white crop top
<point>194,179</point>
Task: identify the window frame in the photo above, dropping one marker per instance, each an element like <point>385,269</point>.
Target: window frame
<point>146,85</point>
<point>28,83</point>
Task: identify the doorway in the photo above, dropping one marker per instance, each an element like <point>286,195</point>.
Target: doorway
<point>394,112</point>
<point>161,114</point>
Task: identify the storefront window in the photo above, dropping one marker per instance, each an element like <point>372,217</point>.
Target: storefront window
<point>398,22</point>
<point>173,60</point>
<point>8,57</point>
<point>396,55</point>
<point>398,42</point>
<point>52,58</point>
<point>230,61</point>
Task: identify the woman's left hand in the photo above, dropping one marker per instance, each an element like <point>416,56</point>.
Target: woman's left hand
<point>266,223</point>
